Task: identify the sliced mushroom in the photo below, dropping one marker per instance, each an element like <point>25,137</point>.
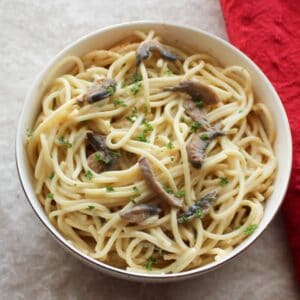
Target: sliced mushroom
<point>139,213</point>
<point>100,90</point>
<point>95,163</point>
<point>199,209</point>
<point>196,113</point>
<point>198,144</point>
<point>144,49</point>
<point>197,90</point>
<point>155,186</point>
<point>101,158</point>
<point>97,141</point>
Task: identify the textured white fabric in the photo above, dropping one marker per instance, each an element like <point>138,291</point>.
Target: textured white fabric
<point>32,264</point>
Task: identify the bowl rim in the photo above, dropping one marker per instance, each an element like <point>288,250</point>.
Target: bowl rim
<point>106,268</point>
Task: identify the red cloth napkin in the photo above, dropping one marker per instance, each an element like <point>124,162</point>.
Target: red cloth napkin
<point>268,31</point>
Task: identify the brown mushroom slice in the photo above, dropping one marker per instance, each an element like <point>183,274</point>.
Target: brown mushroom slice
<point>100,90</point>
<point>97,141</point>
<point>96,164</point>
<point>155,186</point>
<point>139,213</point>
<point>102,159</point>
<point>144,49</point>
<point>199,209</point>
<point>196,113</point>
<point>197,90</point>
<point>198,144</point>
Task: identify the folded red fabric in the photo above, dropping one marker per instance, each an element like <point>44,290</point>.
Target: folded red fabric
<point>268,31</point>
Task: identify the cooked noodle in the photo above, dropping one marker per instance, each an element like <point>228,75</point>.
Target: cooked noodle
<point>85,206</point>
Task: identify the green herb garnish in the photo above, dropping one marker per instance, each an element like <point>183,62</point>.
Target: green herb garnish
<point>90,207</point>
<point>65,142</point>
<point>137,77</point>
<point>198,213</point>
<point>170,145</point>
<point>180,194</point>
<point>168,189</point>
<point>135,88</point>
<point>50,196</point>
<point>185,218</point>
<point>89,175</point>
<point>250,229</point>
<point>110,189</point>
<point>116,154</point>
<point>199,102</point>
<point>29,133</point>
<point>51,175</point>
<point>168,72</point>
<point>136,191</point>
<point>223,181</point>
<point>123,84</point>
<point>111,90</point>
<point>132,118</point>
<point>195,126</point>
<point>150,262</point>
<point>147,126</point>
<point>119,102</point>
<point>100,157</point>
<point>142,138</point>
<point>204,137</point>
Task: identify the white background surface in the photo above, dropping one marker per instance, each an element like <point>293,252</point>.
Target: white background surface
<point>32,265</point>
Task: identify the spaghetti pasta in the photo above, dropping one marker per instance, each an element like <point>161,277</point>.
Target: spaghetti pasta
<point>110,154</point>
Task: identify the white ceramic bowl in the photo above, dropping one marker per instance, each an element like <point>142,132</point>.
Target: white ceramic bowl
<point>176,35</point>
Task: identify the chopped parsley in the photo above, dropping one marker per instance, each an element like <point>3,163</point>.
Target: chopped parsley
<point>142,138</point>
<point>198,213</point>
<point>110,189</point>
<point>90,207</point>
<point>185,218</point>
<point>132,118</point>
<point>119,102</point>
<point>168,189</point>
<point>51,175</point>
<point>137,77</point>
<point>88,175</point>
<point>170,145</point>
<point>240,111</point>
<point>136,191</point>
<point>223,181</point>
<point>29,133</point>
<point>204,137</point>
<point>150,262</point>
<point>135,88</point>
<point>133,201</point>
<point>147,125</point>
<point>180,194</point>
<point>168,72</point>
<point>111,90</point>
<point>199,102</point>
<point>195,126</point>
<point>65,142</point>
<point>123,84</point>
<point>50,196</point>
<point>115,154</point>
<point>250,229</point>
<point>100,157</point>
<point>160,251</point>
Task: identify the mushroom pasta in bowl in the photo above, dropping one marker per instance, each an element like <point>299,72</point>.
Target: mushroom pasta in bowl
<point>152,157</point>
